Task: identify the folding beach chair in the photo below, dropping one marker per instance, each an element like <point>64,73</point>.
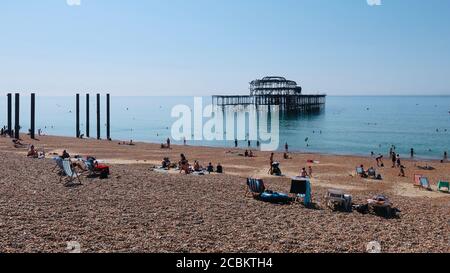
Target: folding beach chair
<point>71,175</point>
<point>255,187</point>
<point>417,178</point>
<point>424,183</point>
<point>59,165</point>
<point>444,186</point>
<point>301,188</point>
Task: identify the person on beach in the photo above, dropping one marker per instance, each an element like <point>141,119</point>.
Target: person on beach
<point>286,156</point>
<point>412,152</point>
<point>184,141</point>
<point>32,152</point>
<point>303,173</point>
<point>219,168</point>
<point>258,144</point>
<point>249,144</point>
<point>246,153</point>
<point>379,160</point>
<point>363,174</point>
<point>197,167</point>
<point>235,143</point>
<point>210,168</point>
<point>402,171</point>
<point>65,155</point>
<point>286,147</point>
<point>166,163</point>
<point>271,163</point>
<point>168,143</point>
<point>183,165</point>
<point>399,162</point>
<point>394,159</point>
<point>445,156</point>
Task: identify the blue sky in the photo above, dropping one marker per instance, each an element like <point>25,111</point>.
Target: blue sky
<point>204,47</point>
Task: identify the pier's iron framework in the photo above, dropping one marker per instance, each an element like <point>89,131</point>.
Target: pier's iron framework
<point>274,91</point>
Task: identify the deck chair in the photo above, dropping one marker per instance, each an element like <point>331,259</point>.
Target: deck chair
<point>301,188</point>
<point>59,165</point>
<point>417,178</point>
<point>255,187</point>
<point>444,185</point>
<point>425,183</point>
<point>71,175</point>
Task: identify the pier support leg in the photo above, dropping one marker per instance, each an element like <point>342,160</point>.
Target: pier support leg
<point>87,116</point>
<point>17,116</point>
<point>108,117</point>
<point>9,115</point>
<point>77,119</point>
<point>98,116</point>
<point>33,116</point>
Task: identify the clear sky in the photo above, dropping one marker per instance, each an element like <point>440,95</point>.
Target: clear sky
<point>204,47</point>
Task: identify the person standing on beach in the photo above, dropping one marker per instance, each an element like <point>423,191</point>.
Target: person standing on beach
<point>249,143</point>
<point>394,159</point>
<point>412,152</point>
<point>184,141</point>
<point>399,162</point>
<point>445,156</point>
<point>235,143</point>
<point>271,163</point>
<point>168,143</point>
<point>286,147</point>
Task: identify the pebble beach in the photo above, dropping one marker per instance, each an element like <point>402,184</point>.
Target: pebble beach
<point>140,210</point>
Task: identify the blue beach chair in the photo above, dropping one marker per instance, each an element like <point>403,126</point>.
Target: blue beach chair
<point>301,188</point>
<point>255,187</point>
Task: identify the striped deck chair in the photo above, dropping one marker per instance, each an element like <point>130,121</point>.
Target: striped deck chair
<point>417,182</point>
<point>255,187</point>
<point>59,165</point>
<point>444,186</point>
<point>424,183</point>
<point>71,175</point>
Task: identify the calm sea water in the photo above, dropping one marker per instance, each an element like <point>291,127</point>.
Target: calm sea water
<point>348,125</point>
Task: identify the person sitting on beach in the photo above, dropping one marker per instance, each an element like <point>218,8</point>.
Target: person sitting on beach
<point>250,154</point>
<point>363,173</point>
<point>371,172</point>
<point>219,168</point>
<point>197,167</point>
<point>32,152</point>
<point>246,153</point>
<point>287,156</point>
<point>65,155</point>
<point>210,168</point>
<point>166,163</point>
<point>303,173</point>
<point>183,165</point>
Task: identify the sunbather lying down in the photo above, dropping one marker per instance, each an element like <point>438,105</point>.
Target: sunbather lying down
<point>18,144</point>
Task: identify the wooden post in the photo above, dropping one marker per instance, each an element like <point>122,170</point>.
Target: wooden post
<point>9,114</point>
<point>17,116</point>
<point>108,117</point>
<point>87,116</point>
<point>77,118</point>
<point>33,116</point>
<point>98,116</point>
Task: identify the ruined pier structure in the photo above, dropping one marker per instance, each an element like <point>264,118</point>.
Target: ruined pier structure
<point>274,91</point>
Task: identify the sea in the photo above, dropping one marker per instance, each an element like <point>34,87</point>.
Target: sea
<point>347,125</point>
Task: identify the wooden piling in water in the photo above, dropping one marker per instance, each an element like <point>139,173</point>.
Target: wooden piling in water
<point>9,114</point>
<point>33,116</point>
<point>87,116</point>
<point>17,116</point>
<point>77,114</point>
<point>108,117</point>
<point>98,116</point>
